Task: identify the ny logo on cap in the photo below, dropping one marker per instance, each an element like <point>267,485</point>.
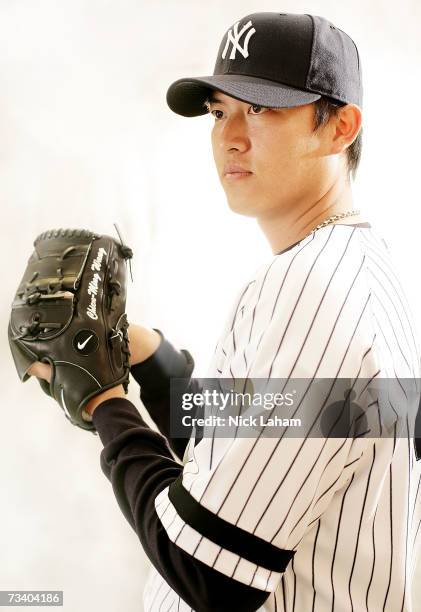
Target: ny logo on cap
<point>234,39</point>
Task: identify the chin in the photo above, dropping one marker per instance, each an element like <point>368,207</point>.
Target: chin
<point>242,206</point>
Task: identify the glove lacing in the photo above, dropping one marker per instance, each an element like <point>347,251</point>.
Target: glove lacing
<point>126,353</point>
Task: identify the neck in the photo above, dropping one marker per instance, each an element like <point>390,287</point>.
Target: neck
<point>283,227</point>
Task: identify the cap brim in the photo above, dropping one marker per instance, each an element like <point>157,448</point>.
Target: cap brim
<point>187,96</point>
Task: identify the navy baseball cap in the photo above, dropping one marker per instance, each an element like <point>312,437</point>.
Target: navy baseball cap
<point>277,60</point>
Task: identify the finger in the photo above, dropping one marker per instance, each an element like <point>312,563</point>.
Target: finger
<point>40,370</point>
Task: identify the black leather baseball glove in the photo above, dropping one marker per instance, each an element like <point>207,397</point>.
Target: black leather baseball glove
<point>69,311</point>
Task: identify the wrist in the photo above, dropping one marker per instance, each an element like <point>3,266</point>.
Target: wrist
<point>93,403</point>
<point>143,342</point>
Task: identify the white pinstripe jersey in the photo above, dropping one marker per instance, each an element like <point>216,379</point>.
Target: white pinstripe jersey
<point>330,306</point>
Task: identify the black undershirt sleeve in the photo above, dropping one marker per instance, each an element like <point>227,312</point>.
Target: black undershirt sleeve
<point>138,463</point>
<point>154,376</point>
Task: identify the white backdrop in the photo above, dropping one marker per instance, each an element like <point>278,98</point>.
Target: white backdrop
<point>86,139</point>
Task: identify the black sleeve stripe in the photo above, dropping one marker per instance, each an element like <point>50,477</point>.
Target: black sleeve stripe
<point>228,536</point>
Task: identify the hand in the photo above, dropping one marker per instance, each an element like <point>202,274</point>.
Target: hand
<point>43,370</point>
<point>143,342</point>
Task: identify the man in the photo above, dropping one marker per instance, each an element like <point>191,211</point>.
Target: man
<point>292,522</point>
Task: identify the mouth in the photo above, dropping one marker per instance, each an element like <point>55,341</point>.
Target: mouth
<point>235,172</point>
<point>237,175</point>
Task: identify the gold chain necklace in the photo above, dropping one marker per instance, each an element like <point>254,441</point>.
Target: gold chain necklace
<point>349,213</point>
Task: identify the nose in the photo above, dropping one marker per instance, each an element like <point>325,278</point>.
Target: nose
<point>234,133</point>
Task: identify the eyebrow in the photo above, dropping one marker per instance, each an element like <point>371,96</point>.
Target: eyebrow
<point>212,98</point>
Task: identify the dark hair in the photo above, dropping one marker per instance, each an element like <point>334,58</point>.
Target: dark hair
<point>324,109</point>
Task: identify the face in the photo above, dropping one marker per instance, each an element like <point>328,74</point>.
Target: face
<point>267,158</point>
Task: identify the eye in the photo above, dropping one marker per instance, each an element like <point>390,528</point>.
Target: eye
<point>258,109</point>
<point>217,113</point>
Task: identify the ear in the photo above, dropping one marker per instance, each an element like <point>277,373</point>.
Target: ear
<point>347,124</point>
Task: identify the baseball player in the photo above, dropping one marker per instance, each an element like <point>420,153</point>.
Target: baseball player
<point>292,522</point>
